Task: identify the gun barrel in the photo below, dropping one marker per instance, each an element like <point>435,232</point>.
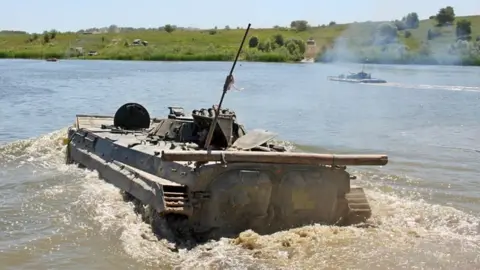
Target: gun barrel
<point>276,157</point>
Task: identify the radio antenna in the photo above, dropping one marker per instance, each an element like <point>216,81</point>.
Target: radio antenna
<point>226,87</point>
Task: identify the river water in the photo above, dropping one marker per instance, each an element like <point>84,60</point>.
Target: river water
<point>426,201</point>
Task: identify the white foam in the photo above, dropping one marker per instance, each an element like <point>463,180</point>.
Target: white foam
<point>408,232</point>
<point>429,87</point>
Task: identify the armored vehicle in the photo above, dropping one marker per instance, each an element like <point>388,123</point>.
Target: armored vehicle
<point>360,77</point>
<point>243,180</point>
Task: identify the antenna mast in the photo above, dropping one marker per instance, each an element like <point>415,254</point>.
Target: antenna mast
<point>226,86</point>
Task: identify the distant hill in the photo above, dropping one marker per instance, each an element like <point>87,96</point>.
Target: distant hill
<point>381,42</point>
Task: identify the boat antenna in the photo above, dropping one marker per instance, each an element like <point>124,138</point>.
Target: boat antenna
<point>226,86</point>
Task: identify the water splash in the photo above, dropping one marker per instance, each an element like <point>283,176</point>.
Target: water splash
<point>460,88</point>
<point>408,231</point>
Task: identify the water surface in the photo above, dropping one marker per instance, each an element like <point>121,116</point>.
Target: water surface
<point>426,202</point>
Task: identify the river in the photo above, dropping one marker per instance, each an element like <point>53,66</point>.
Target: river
<point>425,202</point>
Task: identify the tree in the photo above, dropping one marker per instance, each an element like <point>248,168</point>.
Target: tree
<point>253,42</point>
<point>464,28</point>
<point>296,48</point>
<point>53,34</point>
<point>46,37</point>
<point>445,15</point>
<point>332,23</point>
<point>278,38</point>
<point>299,25</point>
<point>265,46</point>
<point>113,28</point>
<point>411,20</point>
<point>299,43</point>
<point>169,28</point>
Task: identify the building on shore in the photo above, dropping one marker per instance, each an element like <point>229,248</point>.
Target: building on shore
<point>310,49</point>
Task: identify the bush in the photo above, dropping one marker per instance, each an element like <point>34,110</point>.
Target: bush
<point>169,28</point>
<point>464,28</point>
<point>253,42</point>
<point>445,15</point>
<point>278,38</point>
<point>412,21</point>
<point>299,25</point>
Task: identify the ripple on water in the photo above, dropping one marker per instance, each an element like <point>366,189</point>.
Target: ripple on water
<point>405,232</point>
<point>58,216</point>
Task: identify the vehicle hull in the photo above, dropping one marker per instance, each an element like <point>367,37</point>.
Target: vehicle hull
<point>215,199</point>
<point>338,79</point>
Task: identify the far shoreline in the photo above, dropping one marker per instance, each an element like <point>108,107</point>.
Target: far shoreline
<point>400,63</point>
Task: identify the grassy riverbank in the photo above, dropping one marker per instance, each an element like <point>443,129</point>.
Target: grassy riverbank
<point>183,45</point>
<point>354,42</point>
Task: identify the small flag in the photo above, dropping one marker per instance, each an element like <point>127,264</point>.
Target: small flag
<point>231,81</point>
<point>231,85</point>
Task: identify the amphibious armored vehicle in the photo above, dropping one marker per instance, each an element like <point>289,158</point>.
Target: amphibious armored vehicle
<point>360,77</point>
<point>244,181</point>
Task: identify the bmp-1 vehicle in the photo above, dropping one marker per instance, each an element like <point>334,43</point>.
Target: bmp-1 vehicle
<point>206,172</point>
<point>243,181</point>
<point>359,77</point>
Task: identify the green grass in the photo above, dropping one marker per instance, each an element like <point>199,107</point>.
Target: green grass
<point>221,45</point>
<point>183,45</point>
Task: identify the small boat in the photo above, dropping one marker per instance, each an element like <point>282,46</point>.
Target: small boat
<point>52,59</point>
<point>307,60</point>
<point>360,77</point>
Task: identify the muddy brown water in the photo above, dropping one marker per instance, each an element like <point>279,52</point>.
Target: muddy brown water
<point>426,202</point>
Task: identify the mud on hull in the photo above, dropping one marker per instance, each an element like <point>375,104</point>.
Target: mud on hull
<point>217,200</point>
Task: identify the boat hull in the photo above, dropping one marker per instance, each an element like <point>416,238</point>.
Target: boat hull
<point>338,79</point>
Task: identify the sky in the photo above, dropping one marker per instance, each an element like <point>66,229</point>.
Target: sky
<point>63,15</point>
